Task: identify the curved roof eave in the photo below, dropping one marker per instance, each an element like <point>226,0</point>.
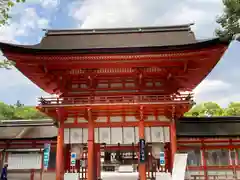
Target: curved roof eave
<point>29,49</point>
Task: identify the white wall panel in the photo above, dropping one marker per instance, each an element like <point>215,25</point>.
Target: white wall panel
<point>156,149</point>
<point>156,134</point>
<point>76,135</point>
<point>162,137</point>
<point>125,135</point>
<point>66,136</point>
<point>81,120</point>
<point>96,135</point>
<point>24,161</point>
<point>69,120</point>
<point>128,135</point>
<point>116,135</point>
<point>163,118</point>
<point>136,135</point>
<point>116,118</point>
<point>148,134</point>
<point>166,134</point>
<point>131,118</point>
<point>104,135</point>
<point>101,119</point>
<point>85,135</point>
<point>150,118</point>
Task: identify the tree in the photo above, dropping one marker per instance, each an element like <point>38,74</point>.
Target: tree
<point>230,20</point>
<point>6,64</point>
<point>19,111</point>
<point>6,111</point>
<point>206,109</point>
<point>19,104</point>
<point>5,6</point>
<point>233,109</point>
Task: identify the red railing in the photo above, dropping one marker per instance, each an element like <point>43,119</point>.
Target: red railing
<point>129,99</point>
<point>212,177</point>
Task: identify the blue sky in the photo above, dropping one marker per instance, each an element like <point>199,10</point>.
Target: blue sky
<point>28,20</point>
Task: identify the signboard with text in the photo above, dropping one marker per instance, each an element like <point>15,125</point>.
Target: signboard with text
<point>46,155</point>
<point>142,151</point>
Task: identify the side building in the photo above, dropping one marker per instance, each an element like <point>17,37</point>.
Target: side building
<point>212,144</point>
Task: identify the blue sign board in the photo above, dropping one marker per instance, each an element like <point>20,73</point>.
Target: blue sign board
<point>162,159</point>
<point>73,155</point>
<point>73,159</point>
<point>46,154</point>
<point>142,151</point>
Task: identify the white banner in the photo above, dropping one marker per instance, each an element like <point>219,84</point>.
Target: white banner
<point>179,166</point>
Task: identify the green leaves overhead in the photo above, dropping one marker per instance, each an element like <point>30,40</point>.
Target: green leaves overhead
<point>230,20</point>
<point>5,6</point>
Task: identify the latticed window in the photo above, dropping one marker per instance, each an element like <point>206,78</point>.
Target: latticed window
<point>194,157</point>
<point>238,156</point>
<point>217,157</point>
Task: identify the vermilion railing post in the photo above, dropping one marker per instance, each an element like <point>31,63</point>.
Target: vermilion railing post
<point>32,174</point>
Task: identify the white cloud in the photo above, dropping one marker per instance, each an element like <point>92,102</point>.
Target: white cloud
<point>122,13</point>
<point>49,3</point>
<point>217,91</point>
<point>25,22</point>
<point>29,21</point>
<point>211,86</point>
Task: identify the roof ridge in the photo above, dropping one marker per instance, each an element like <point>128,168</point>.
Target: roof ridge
<point>118,30</point>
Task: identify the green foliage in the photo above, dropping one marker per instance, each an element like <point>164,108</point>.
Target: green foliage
<point>229,21</point>
<point>6,64</point>
<point>233,109</point>
<point>19,111</point>
<point>206,109</point>
<point>5,6</point>
<point>213,109</point>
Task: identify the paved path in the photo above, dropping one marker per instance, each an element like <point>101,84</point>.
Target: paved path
<point>119,176</point>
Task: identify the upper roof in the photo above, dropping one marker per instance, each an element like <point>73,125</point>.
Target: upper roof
<point>117,38</point>
<point>99,39</point>
<point>60,51</point>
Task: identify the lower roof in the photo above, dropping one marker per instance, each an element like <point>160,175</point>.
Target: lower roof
<point>208,127</point>
<point>188,127</point>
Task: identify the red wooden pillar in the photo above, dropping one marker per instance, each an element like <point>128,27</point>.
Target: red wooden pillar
<point>141,128</point>
<point>60,146</point>
<point>98,157</point>
<point>173,141</point>
<point>42,159</point>
<point>204,160</point>
<point>60,155</point>
<point>90,160</point>
<point>32,174</point>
